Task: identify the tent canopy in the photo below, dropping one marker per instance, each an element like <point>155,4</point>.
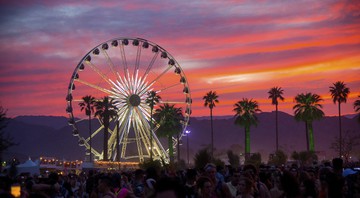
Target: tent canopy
<point>28,167</point>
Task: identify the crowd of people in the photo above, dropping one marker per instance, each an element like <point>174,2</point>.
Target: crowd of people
<point>331,180</point>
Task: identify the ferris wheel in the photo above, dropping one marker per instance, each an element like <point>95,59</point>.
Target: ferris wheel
<point>126,70</point>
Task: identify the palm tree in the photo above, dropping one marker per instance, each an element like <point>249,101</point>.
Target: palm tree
<point>357,107</point>
<point>245,115</point>
<point>339,93</point>
<point>308,109</point>
<point>209,100</point>
<point>87,104</point>
<point>152,99</point>
<point>105,111</point>
<point>170,120</point>
<point>276,93</point>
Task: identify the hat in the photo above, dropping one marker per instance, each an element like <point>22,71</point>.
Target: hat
<point>348,171</point>
<point>209,166</point>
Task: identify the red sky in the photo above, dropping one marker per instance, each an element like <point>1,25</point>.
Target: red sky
<point>240,49</point>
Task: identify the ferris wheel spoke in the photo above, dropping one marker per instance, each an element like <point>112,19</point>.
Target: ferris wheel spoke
<point>80,120</point>
<point>151,63</point>
<point>117,88</point>
<point>116,145</point>
<point>158,77</point>
<point>167,69</point>
<point>112,139</point>
<point>144,111</point>
<point>123,111</point>
<point>140,83</point>
<point>144,88</point>
<point>124,84</point>
<point>157,147</point>
<point>141,114</point>
<point>123,130</point>
<point>168,87</point>
<point>146,140</point>
<point>123,58</point>
<point>171,102</point>
<point>138,136</point>
<point>93,134</point>
<point>95,86</point>
<point>160,149</point>
<point>109,61</point>
<point>137,81</point>
<point>87,146</point>
<point>126,135</point>
<point>95,68</point>
<point>137,60</point>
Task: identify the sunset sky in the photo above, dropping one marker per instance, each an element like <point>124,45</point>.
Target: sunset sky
<point>240,49</point>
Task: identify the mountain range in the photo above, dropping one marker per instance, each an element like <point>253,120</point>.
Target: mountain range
<point>51,136</point>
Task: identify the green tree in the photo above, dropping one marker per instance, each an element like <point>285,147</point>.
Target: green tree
<point>304,157</point>
<point>6,141</point>
<point>357,107</point>
<point>151,100</point>
<point>254,159</point>
<point>87,104</point>
<point>209,101</point>
<point>156,164</point>
<point>307,110</point>
<point>275,94</point>
<point>170,120</point>
<point>201,158</point>
<point>339,93</point>
<point>279,158</point>
<point>105,111</point>
<point>234,159</point>
<point>348,143</point>
<point>245,116</point>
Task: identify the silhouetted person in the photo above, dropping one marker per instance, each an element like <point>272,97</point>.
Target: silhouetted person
<point>169,187</point>
<point>290,185</point>
<point>338,166</point>
<point>261,189</point>
<point>190,183</point>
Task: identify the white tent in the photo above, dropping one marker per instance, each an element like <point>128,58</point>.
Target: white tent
<point>28,167</point>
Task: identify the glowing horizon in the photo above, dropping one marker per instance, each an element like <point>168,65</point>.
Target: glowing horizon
<point>240,49</point>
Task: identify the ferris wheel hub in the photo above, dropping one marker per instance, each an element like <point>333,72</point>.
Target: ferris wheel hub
<point>134,100</point>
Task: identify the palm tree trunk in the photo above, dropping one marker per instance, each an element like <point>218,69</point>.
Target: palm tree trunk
<point>276,126</point>
<point>307,135</point>
<point>340,133</point>
<point>247,140</point>
<point>212,135</point>
<point>311,137</point>
<point>106,128</point>
<point>90,157</point>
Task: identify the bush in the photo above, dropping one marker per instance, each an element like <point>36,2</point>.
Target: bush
<point>202,158</point>
<point>151,163</point>
<point>305,157</point>
<point>254,158</point>
<point>278,159</point>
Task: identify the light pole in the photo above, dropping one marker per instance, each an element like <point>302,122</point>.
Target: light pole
<point>187,146</point>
